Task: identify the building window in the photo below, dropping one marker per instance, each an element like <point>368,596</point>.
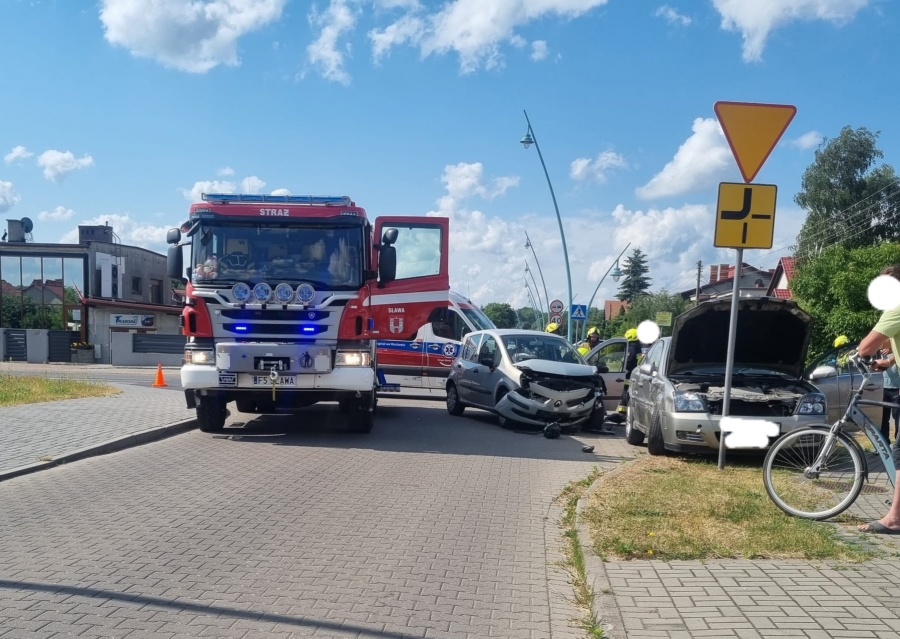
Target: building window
<point>156,291</point>
<point>137,286</point>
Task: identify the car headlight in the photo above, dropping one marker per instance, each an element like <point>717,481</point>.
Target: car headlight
<point>199,357</point>
<point>689,402</point>
<point>352,358</point>
<point>811,404</point>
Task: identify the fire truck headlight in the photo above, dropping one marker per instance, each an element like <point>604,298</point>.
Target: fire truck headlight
<point>199,357</point>
<point>352,358</point>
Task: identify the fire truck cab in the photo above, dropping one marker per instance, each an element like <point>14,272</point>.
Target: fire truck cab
<point>286,297</point>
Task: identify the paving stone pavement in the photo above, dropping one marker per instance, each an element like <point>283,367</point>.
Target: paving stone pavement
<point>430,526</point>
<point>31,431</point>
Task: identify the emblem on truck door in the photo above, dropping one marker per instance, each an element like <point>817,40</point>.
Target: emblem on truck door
<point>396,324</point>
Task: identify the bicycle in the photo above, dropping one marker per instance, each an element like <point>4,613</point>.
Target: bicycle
<point>827,459</point>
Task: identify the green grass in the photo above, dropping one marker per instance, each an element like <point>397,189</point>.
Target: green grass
<point>25,389</point>
<point>574,555</point>
<point>668,508</point>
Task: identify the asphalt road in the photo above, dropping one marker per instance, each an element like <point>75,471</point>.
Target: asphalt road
<point>430,526</point>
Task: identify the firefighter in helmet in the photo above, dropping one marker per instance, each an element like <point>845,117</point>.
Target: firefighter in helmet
<point>553,328</point>
<point>593,338</point>
<point>632,358</point>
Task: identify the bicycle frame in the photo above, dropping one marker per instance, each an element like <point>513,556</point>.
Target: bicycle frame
<point>853,414</point>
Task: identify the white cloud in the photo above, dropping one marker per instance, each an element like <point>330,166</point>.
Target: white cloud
<point>18,153</point>
<point>207,186</point>
<point>130,231</point>
<point>808,140</point>
<point>756,19</point>
<point>472,28</point>
<point>193,36</point>
<point>596,169</point>
<point>699,163</point>
<point>488,257</point>
<point>252,184</point>
<point>57,214</point>
<point>539,50</point>
<point>58,164</point>
<point>323,53</point>
<point>8,197</point>
<point>672,16</point>
<point>280,192</point>
<point>225,172</point>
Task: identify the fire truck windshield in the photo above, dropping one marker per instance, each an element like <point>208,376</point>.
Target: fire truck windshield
<point>328,257</point>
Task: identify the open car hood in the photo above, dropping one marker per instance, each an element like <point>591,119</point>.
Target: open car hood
<point>560,369</point>
<point>772,334</point>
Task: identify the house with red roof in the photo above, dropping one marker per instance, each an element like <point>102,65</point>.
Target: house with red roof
<point>780,286</point>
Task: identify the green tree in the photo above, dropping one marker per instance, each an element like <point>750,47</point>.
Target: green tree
<point>847,201</point>
<point>528,318</point>
<point>644,308</point>
<point>833,288</point>
<point>636,282</point>
<point>501,314</point>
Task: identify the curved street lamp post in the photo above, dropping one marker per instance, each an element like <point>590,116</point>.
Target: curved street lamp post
<point>535,307</point>
<point>533,281</point>
<point>529,245</point>
<point>616,274</point>
<point>527,141</point>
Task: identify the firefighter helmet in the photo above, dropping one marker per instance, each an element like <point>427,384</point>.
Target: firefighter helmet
<point>631,335</point>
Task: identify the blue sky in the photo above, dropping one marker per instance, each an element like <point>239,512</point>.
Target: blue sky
<point>124,108</point>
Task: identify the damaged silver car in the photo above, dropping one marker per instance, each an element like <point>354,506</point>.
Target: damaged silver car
<point>678,390</point>
<point>526,378</point>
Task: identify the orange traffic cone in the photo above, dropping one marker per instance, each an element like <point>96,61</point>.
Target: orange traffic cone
<point>160,381</point>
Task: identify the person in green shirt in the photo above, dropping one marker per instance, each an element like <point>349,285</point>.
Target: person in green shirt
<point>885,334</point>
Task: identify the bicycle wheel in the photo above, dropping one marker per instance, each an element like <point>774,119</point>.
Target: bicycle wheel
<point>799,492</point>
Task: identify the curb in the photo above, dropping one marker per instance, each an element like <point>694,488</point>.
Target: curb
<point>604,598</point>
<point>110,446</point>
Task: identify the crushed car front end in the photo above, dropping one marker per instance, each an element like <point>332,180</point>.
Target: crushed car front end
<point>552,393</point>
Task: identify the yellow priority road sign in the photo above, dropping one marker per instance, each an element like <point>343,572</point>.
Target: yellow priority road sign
<point>745,216</point>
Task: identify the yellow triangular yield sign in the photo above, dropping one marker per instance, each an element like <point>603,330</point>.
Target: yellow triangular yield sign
<point>752,131</point>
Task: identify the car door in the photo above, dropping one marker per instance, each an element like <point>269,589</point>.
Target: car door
<point>644,379</point>
<point>611,354</point>
<point>485,377</point>
<point>465,366</point>
<point>836,378</point>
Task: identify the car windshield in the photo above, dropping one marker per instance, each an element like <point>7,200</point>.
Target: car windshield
<point>524,347</point>
<point>478,319</point>
<point>328,257</point>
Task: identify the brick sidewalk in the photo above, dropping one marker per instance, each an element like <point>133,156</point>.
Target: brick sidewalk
<point>31,431</point>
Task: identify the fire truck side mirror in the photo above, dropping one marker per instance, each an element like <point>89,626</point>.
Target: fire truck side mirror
<point>173,236</point>
<point>389,237</point>
<point>175,263</point>
<point>387,264</point>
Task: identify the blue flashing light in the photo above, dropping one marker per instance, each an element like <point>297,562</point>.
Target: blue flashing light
<point>241,327</point>
<point>225,198</point>
<point>309,329</point>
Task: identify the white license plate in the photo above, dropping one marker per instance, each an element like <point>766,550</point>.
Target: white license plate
<point>265,380</point>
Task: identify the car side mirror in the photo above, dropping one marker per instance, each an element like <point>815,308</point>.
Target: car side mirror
<point>822,372</point>
<point>602,369</point>
<point>173,236</point>
<point>646,369</point>
<point>487,361</point>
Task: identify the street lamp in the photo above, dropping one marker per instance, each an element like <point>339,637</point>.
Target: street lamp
<point>529,139</point>
<point>531,273</point>
<point>536,307</point>
<point>529,245</point>
<point>616,274</point>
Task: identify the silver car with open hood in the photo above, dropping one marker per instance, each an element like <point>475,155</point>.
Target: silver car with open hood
<point>526,377</point>
<point>677,391</point>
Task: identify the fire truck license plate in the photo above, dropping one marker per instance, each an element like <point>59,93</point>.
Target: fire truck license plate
<point>265,380</point>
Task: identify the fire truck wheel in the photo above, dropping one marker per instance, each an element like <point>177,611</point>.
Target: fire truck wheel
<point>211,414</point>
<point>246,405</point>
<point>345,406</point>
<point>362,415</point>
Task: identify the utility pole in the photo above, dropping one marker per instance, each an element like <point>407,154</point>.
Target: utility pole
<point>699,270</point>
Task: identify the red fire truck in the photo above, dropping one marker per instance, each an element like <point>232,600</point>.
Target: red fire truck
<point>287,296</point>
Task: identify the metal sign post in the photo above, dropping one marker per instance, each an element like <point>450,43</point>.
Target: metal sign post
<point>745,213</point>
<point>729,356</point>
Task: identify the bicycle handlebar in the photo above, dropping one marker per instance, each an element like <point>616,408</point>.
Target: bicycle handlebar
<point>863,364</point>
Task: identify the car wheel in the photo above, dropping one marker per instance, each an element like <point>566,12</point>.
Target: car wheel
<point>632,435</point>
<point>655,443</point>
<point>454,406</point>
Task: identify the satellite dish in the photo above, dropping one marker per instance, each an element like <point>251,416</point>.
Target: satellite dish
<point>27,225</point>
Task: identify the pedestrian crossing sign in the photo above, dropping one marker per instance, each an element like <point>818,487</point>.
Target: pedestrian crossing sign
<point>579,311</point>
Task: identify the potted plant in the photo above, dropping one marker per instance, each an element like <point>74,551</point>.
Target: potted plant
<point>82,353</point>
